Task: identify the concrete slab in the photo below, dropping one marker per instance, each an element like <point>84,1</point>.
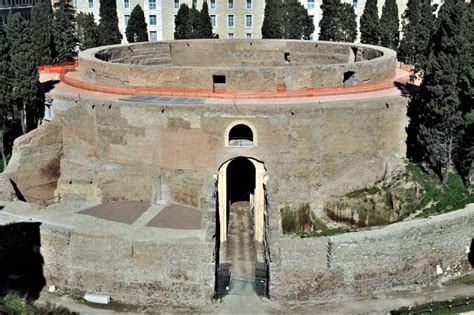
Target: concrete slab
<point>177,217</point>
<point>120,211</point>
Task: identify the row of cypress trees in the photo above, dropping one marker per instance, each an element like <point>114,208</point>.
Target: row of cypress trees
<point>190,23</point>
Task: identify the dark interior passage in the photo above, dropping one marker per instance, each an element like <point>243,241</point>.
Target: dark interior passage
<point>241,132</point>
<point>240,180</point>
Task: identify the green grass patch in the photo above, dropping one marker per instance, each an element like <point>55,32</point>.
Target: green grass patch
<point>13,304</point>
<point>440,308</point>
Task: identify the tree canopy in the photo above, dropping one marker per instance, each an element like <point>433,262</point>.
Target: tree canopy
<point>370,24</point>
<point>271,27</point>
<point>137,28</point>
<point>338,22</point>
<point>286,19</point>
<point>438,112</point>
<point>192,23</point>
<point>109,33</point>
<point>64,31</point>
<point>87,31</point>
<point>389,25</point>
<point>41,32</point>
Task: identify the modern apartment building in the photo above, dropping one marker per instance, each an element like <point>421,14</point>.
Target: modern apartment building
<point>13,6</point>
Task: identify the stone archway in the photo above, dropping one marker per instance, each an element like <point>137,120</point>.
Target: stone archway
<point>256,197</point>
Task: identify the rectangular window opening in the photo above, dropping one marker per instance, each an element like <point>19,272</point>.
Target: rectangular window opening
<point>218,79</point>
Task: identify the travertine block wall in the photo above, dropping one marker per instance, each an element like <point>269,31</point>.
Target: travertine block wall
<point>395,257</point>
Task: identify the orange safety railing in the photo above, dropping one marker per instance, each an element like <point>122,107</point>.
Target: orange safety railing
<point>59,68</point>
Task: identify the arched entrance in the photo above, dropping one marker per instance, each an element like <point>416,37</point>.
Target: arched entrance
<point>241,179</point>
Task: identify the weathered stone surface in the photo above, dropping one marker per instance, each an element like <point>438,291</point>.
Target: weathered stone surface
<point>35,164</point>
<point>395,257</point>
<point>258,65</point>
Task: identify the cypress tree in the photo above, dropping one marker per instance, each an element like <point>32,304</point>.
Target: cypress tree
<point>408,50</point>
<point>182,23</point>
<point>338,22</point>
<point>109,33</point>
<point>425,28</point>
<point>295,21</point>
<point>194,22</point>
<point>389,25</point>
<point>25,78</point>
<point>64,31</point>
<point>41,32</point>
<point>5,90</point>
<point>369,24</point>
<point>205,25</point>
<point>272,24</point>
<point>440,113</point>
<point>137,28</point>
<point>87,31</point>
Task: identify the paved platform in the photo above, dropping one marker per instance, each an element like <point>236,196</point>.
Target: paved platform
<point>120,211</point>
<point>177,217</point>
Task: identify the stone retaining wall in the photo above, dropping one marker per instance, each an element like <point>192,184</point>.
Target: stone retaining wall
<point>169,272</point>
<point>398,256</point>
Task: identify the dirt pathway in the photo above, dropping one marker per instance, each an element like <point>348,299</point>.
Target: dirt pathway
<point>241,249</point>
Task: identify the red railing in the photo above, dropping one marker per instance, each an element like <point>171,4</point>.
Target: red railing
<point>59,68</point>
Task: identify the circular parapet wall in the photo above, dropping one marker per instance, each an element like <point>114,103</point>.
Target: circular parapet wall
<point>238,65</point>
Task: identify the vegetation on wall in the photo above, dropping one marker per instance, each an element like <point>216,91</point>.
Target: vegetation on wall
<point>13,304</point>
<point>338,22</point>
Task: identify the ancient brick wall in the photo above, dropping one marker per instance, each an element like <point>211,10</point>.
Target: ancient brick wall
<point>398,256</point>
<point>258,65</point>
<point>132,151</point>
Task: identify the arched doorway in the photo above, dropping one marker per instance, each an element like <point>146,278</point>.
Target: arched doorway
<point>240,179</point>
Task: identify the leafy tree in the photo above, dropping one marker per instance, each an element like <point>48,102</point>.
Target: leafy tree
<point>41,32</point>
<point>25,79</point>
<point>271,27</point>
<point>87,31</point>
<point>296,23</point>
<point>109,33</point>
<point>338,22</point>
<point>205,25</point>
<point>194,21</point>
<point>137,28</point>
<point>439,109</point>
<point>64,31</point>
<point>408,49</point>
<point>370,24</point>
<point>183,29</point>
<point>389,25</point>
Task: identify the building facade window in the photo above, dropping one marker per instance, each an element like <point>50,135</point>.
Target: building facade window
<point>310,5</point>
<point>152,20</point>
<point>125,19</point>
<point>248,20</point>
<point>195,3</point>
<point>213,4</point>
<point>152,4</point>
<point>213,20</point>
<point>153,36</point>
<point>176,4</point>
<point>230,20</point>
<point>230,4</point>
<point>354,4</point>
<point>248,4</point>
<point>231,35</point>
<point>126,4</point>
<point>248,35</point>
<point>91,4</point>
